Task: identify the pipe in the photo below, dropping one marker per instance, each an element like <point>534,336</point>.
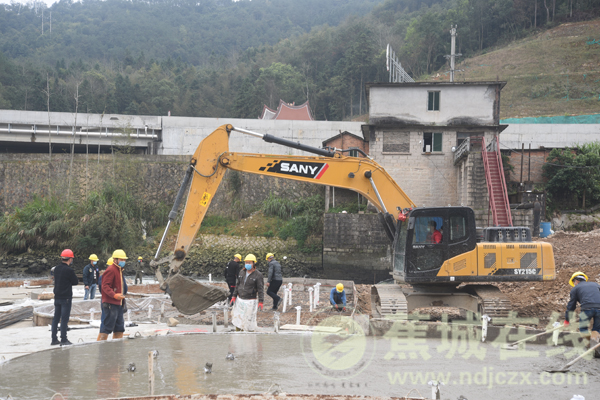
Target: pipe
<point>298,310</point>
<point>128,315</point>
<point>310,298</point>
<point>290,296</point>
<point>555,333</point>
<point>276,322</point>
<point>317,292</point>
<point>91,315</point>
<point>150,307</point>
<point>285,298</point>
<point>288,143</point>
<point>214,321</point>
<point>484,326</point>
<point>210,277</point>
<point>225,318</point>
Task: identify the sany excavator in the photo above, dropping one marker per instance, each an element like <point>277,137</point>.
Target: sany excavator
<point>435,248</point>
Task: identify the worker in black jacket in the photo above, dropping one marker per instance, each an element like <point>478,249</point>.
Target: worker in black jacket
<point>231,273</point>
<point>64,279</point>
<point>587,294</point>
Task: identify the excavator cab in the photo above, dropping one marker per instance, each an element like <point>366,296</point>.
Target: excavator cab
<point>429,237</point>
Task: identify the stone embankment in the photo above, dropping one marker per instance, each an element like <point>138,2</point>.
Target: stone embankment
<point>208,254</point>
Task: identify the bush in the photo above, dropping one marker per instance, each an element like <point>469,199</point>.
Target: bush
<point>107,220</point>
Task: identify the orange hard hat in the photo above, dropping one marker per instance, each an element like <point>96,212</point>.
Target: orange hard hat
<point>67,253</point>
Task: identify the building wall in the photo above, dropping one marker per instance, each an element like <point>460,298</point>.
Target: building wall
<point>347,141</point>
<point>533,172</point>
<point>430,180</point>
<point>460,104</point>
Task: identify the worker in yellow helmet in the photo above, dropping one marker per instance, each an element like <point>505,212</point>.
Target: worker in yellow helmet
<point>113,292</point>
<point>232,270</point>
<point>587,294</point>
<point>248,295</point>
<point>337,297</point>
<point>90,277</point>
<point>139,270</point>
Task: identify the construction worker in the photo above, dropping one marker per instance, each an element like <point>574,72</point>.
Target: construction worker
<point>90,277</point>
<point>139,270</point>
<point>232,270</point>
<point>113,295</point>
<point>337,297</point>
<point>249,290</point>
<point>587,294</point>
<point>64,280</point>
<point>274,279</point>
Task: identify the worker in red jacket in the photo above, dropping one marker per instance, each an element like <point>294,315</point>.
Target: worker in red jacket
<point>113,290</point>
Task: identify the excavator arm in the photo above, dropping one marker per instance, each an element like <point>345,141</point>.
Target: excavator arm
<point>212,158</point>
<point>205,173</point>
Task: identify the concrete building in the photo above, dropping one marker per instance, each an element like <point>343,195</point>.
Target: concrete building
<point>415,129</point>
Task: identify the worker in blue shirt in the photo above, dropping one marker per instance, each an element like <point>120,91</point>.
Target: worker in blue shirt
<point>337,297</point>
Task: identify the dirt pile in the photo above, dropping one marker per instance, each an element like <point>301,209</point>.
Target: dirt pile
<point>573,251</point>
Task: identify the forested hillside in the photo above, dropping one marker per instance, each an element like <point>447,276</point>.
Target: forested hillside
<point>217,58</point>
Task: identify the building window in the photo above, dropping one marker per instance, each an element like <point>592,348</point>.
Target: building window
<point>353,153</point>
<point>433,102</point>
<point>396,142</point>
<point>432,142</point>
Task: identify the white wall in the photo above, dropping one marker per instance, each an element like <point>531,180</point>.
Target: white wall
<point>460,104</point>
<point>182,135</point>
<point>548,135</point>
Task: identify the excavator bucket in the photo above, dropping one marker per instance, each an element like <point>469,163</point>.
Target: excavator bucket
<point>191,297</point>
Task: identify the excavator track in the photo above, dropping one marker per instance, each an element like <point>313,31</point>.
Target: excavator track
<point>493,302</point>
<point>388,300</point>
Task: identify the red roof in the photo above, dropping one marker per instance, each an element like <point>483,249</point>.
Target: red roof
<point>288,112</point>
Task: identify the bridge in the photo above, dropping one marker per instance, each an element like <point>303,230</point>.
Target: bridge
<point>35,131</point>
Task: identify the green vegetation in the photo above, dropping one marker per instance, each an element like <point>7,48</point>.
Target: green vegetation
<point>573,177</point>
<point>217,58</point>
<point>303,219</point>
<point>108,219</point>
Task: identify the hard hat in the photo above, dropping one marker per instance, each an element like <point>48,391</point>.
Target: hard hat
<point>577,274</point>
<point>140,258</point>
<point>250,257</point>
<point>339,287</point>
<point>94,257</point>
<point>270,255</point>
<point>109,261</point>
<point>238,256</point>
<point>120,254</point>
<point>67,253</point>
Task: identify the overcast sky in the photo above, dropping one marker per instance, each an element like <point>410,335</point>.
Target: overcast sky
<point>48,2</point>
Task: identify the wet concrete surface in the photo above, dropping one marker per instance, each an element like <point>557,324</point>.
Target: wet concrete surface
<point>321,363</point>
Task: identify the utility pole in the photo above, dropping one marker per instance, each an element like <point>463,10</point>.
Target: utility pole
<point>453,54</point>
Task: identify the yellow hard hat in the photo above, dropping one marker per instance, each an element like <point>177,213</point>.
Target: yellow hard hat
<point>269,255</point>
<point>250,257</point>
<point>575,275</point>
<point>109,261</point>
<point>140,258</point>
<point>238,256</point>
<point>94,257</point>
<point>339,287</point>
<point>120,254</point>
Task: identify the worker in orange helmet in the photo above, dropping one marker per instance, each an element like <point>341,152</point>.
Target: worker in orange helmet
<point>64,280</point>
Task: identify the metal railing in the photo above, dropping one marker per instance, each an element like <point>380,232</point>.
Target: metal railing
<point>462,150</point>
<point>492,148</point>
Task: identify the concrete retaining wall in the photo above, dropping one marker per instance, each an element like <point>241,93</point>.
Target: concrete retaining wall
<point>356,247</point>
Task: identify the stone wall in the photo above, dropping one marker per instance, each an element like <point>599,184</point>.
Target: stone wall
<point>156,178</point>
<point>356,247</point>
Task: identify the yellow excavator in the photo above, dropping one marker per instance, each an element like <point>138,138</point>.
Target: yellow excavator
<point>437,258</point>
